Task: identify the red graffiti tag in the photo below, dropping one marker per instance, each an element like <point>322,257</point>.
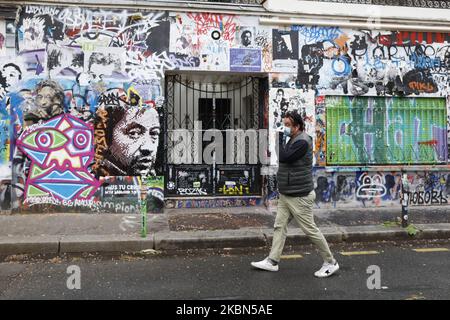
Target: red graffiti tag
<point>420,86</point>
<point>429,143</point>
<point>207,21</point>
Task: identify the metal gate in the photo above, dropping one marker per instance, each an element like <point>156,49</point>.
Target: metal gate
<point>195,105</point>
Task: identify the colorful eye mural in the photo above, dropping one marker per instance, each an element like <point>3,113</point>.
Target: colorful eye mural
<point>60,151</point>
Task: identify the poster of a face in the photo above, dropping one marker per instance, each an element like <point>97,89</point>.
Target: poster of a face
<point>245,37</point>
<point>44,103</point>
<point>106,63</point>
<point>132,141</point>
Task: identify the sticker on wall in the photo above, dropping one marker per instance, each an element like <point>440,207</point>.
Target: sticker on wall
<point>245,60</point>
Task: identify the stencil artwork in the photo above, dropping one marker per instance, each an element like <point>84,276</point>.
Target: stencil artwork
<point>60,151</point>
<point>31,33</point>
<point>246,37</point>
<point>10,76</point>
<point>45,102</point>
<point>106,63</point>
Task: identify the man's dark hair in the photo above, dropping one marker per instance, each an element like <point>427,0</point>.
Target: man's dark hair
<point>296,119</point>
<point>280,90</point>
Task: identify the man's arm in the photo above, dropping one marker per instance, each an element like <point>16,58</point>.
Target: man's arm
<point>292,152</point>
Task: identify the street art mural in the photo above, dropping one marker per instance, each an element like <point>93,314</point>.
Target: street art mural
<point>379,130</point>
<point>357,189</point>
<point>375,189</point>
<point>368,98</point>
<point>352,62</point>
<point>208,41</point>
<point>76,65</point>
<point>60,151</point>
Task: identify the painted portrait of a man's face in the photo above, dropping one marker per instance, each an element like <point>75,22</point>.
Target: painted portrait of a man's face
<point>46,97</point>
<point>135,141</point>
<point>46,101</point>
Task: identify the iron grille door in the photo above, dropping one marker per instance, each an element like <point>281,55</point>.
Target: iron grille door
<point>196,105</point>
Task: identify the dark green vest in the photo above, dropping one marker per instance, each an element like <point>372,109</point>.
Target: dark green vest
<point>295,179</point>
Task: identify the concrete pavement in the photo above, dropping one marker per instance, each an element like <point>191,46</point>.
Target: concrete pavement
<point>185,229</point>
<point>404,273</point>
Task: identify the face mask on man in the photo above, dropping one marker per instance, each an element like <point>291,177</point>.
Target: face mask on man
<point>287,131</point>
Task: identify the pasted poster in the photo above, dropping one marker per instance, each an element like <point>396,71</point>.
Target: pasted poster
<point>285,51</point>
<point>282,100</point>
<point>119,194</point>
<point>106,63</point>
<point>245,60</point>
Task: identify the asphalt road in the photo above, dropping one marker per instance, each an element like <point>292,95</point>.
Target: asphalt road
<point>226,274</point>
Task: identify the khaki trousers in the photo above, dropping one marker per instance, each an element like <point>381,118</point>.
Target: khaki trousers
<point>299,208</point>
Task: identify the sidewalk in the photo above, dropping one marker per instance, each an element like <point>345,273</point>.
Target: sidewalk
<point>183,229</point>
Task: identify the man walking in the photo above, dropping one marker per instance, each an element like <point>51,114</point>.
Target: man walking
<point>296,187</point>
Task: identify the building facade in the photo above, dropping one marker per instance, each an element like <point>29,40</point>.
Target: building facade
<point>149,104</point>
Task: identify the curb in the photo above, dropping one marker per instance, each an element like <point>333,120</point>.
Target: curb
<point>104,243</point>
<point>208,239</point>
<point>169,241</point>
<point>29,245</point>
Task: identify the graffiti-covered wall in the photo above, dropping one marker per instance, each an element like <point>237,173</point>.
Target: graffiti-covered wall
<point>83,106</point>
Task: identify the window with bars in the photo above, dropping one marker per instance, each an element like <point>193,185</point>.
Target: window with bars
<point>386,130</point>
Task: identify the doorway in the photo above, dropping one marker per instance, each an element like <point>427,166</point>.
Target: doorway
<point>223,103</point>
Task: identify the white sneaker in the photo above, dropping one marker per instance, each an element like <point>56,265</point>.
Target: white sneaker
<point>265,265</point>
<point>327,269</point>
